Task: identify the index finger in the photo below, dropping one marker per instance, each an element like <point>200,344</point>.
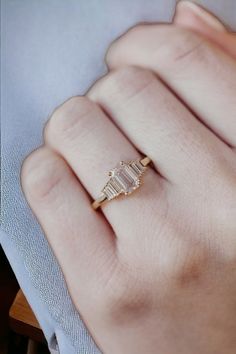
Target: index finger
<point>199,72</point>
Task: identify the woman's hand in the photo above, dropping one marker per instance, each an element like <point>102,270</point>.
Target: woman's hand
<point>154,272</point>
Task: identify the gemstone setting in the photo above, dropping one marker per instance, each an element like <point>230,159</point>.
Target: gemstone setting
<point>124,179</point>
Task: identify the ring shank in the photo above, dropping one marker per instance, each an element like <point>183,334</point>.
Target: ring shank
<point>145,161</point>
<point>99,201</point>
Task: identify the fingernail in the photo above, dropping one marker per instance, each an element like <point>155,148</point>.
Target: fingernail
<point>205,16</point>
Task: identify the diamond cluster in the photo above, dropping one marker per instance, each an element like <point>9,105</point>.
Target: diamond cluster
<point>124,178</point>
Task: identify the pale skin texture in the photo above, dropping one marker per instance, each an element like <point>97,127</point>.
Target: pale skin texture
<point>154,272</point>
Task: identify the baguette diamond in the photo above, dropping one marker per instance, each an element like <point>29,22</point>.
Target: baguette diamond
<point>124,178</point>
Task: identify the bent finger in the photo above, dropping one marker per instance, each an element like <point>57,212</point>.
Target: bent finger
<point>82,241</point>
<point>200,73</point>
<point>194,17</point>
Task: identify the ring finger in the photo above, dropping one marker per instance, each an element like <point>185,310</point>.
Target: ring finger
<point>88,140</point>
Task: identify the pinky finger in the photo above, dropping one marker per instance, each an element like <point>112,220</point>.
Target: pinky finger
<point>81,239</point>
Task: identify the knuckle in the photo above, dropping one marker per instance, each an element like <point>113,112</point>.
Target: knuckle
<point>68,119</point>
<point>126,299</point>
<point>136,29</point>
<point>189,263</point>
<point>123,82</point>
<point>191,270</point>
<point>128,35</point>
<point>40,174</point>
<point>182,47</point>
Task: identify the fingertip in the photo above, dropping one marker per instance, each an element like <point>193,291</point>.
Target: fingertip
<point>190,14</point>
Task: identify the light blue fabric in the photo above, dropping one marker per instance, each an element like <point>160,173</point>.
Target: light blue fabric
<point>52,50</point>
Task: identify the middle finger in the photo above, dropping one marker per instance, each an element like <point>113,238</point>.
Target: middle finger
<point>159,124</point>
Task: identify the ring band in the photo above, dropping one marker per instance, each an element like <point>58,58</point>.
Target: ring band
<point>124,179</point>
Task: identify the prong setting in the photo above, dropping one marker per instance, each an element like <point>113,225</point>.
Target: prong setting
<point>124,179</point>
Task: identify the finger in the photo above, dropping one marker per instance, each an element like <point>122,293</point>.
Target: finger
<point>92,145</point>
<point>194,17</point>
<point>202,75</point>
<point>159,124</point>
<point>82,241</point>
<point>186,9</point>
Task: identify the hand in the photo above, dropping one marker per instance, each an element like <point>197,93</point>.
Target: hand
<point>154,272</point>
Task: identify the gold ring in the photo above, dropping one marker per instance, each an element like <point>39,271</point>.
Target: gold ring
<point>124,179</point>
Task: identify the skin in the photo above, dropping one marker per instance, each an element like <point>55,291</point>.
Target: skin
<point>154,272</point>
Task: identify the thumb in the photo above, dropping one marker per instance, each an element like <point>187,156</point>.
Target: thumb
<point>194,17</point>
